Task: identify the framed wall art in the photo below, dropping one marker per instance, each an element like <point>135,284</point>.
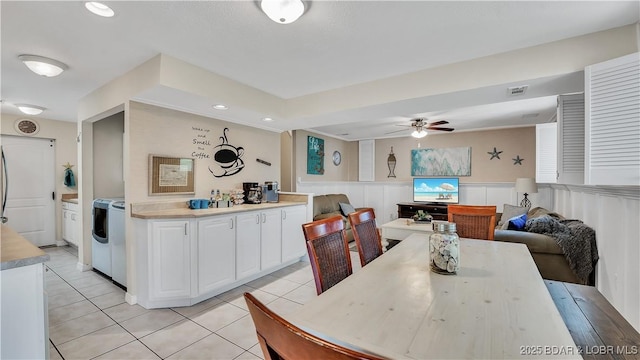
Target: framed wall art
<point>441,162</point>
<point>170,175</point>
<point>315,155</point>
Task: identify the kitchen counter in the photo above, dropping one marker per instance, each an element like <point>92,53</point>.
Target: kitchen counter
<point>16,251</point>
<point>180,209</point>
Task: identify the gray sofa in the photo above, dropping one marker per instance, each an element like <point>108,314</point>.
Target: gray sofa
<point>326,206</point>
<point>547,254</point>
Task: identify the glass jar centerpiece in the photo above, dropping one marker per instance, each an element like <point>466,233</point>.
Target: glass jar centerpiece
<point>444,248</point>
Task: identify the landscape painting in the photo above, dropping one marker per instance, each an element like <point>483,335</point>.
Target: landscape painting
<point>441,162</point>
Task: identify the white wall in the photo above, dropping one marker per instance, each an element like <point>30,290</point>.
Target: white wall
<point>613,212</point>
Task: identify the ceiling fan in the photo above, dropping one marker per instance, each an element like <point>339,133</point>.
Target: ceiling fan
<point>421,126</point>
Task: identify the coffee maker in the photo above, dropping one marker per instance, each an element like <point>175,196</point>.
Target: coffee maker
<point>270,191</point>
<point>250,188</point>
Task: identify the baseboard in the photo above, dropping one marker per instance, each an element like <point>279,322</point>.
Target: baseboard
<point>130,299</point>
<point>83,267</point>
<point>61,243</point>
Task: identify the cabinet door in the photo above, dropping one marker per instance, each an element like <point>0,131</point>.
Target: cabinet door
<point>270,235</point>
<point>169,262</point>
<point>247,244</point>
<point>216,252</point>
<point>293,243</point>
<point>66,219</point>
<point>75,227</point>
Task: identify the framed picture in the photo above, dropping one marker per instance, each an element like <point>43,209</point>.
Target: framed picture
<point>315,155</point>
<point>441,162</point>
<point>170,175</point>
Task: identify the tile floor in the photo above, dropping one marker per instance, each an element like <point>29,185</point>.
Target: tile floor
<point>89,319</point>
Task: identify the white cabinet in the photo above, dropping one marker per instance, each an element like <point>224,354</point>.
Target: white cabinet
<point>169,260</point>
<point>270,239</point>
<point>216,252</point>
<point>70,223</point>
<point>248,244</point>
<point>293,242</point>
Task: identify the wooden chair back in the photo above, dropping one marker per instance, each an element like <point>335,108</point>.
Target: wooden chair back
<point>473,221</point>
<point>328,252</point>
<point>279,339</point>
<point>366,235</point>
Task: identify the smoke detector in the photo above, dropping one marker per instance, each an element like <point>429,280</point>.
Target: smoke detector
<point>517,90</point>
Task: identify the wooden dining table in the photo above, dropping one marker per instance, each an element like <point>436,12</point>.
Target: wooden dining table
<point>496,307</point>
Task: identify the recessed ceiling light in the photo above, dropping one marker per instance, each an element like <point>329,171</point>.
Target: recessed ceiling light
<point>30,109</point>
<point>220,107</point>
<point>99,9</point>
<point>267,119</point>
<point>42,65</point>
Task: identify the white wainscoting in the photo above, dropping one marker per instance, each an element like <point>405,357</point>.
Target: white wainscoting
<point>613,212</point>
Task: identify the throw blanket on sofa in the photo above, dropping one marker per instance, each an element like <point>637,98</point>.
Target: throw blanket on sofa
<point>577,241</point>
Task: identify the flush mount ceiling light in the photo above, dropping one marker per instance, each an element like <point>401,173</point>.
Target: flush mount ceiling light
<point>282,11</point>
<point>267,119</point>
<point>99,9</point>
<point>220,107</point>
<point>30,109</point>
<point>42,65</point>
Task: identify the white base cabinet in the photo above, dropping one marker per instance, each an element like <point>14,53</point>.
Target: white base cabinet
<point>70,224</point>
<point>183,262</point>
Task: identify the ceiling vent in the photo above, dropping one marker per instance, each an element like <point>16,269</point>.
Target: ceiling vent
<point>517,90</point>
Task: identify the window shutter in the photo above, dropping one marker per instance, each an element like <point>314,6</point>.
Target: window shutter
<point>612,137</point>
<point>571,139</point>
<point>366,157</point>
<point>546,153</point>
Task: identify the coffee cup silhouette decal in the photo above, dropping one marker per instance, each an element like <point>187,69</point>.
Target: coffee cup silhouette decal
<point>227,157</point>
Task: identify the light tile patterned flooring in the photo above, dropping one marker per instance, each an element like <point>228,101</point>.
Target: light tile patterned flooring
<point>89,319</point>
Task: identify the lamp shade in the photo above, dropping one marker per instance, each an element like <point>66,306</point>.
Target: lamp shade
<point>419,134</point>
<point>526,185</point>
<point>282,11</point>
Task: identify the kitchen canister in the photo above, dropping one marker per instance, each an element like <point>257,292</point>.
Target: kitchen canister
<point>444,248</point>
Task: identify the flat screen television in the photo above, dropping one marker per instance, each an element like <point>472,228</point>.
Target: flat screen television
<point>435,190</point>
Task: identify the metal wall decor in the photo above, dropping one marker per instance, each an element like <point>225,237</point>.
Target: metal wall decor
<point>494,154</point>
<point>517,160</point>
<point>227,157</point>
<point>391,163</point>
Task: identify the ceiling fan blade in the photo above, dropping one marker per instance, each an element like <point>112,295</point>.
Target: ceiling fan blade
<point>397,131</point>
<point>441,129</point>
<point>436,123</point>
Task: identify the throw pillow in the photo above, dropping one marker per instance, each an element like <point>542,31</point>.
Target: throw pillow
<point>509,211</point>
<point>517,222</point>
<point>346,208</point>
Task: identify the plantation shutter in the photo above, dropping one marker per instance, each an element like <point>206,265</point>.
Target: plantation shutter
<point>571,139</point>
<point>546,153</point>
<point>612,134</point>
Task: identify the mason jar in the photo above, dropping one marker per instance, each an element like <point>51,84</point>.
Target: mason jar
<point>444,248</point>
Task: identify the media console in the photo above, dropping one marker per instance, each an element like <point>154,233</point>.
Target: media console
<point>438,211</point>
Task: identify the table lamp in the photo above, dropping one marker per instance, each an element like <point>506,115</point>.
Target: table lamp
<point>526,186</point>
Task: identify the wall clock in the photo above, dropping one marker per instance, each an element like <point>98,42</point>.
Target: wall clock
<point>26,127</point>
<point>337,158</point>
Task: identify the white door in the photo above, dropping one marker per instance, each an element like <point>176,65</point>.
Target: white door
<point>30,186</point>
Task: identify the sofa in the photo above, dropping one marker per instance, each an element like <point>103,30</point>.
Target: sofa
<point>547,254</point>
<point>326,206</point>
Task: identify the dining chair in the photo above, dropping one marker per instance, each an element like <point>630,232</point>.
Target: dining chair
<point>280,339</point>
<point>473,221</point>
<point>328,251</point>
<point>366,234</point>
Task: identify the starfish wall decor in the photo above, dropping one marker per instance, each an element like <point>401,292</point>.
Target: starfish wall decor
<point>494,154</point>
<point>517,160</point>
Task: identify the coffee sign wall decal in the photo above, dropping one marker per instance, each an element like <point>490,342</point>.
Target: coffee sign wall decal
<point>227,158</point>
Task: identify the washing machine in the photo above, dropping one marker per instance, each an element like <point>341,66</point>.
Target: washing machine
<point>116,240</point>
<point>100,248</point>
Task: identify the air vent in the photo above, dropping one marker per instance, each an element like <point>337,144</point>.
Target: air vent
<point>517,90</point>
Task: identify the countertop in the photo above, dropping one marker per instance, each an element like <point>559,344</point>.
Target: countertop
<point>179,210</point>
<point>18,251</point>
<point>70,198</point>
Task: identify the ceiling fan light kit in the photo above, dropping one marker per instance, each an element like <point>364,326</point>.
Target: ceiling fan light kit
<point>282,11</point>
<point>42,65</point>
<point>419,134</point>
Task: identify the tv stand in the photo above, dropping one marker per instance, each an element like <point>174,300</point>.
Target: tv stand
<point>437,211</point>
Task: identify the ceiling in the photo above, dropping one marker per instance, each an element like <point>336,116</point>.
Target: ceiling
<point>333,45</point>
